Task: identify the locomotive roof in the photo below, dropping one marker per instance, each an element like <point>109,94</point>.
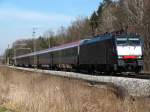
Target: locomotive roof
<point>98,38</point>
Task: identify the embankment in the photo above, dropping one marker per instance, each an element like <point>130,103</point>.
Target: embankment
<point>34,92</point>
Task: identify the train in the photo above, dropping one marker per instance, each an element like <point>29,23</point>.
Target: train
<point>110,52</point>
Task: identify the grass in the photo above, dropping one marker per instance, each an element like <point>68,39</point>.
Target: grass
<point>3,109</point>
<point>31,92</point>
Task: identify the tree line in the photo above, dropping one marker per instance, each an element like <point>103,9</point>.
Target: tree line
<point>108,17</point>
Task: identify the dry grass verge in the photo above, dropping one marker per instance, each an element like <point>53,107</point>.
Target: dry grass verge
<point>30,92</point>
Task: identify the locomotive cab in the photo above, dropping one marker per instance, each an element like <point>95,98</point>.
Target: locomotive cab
<point>129,53</point>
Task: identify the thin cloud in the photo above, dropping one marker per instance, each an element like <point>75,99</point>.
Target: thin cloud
<point>32,15</point>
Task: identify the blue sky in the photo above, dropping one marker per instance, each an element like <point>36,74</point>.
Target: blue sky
<point>18,17</point>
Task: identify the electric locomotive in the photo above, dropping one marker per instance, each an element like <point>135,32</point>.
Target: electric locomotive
<point>129,52</point>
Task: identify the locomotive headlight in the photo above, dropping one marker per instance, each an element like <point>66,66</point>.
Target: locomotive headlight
<point>139,57</point>
<point>120,57</point>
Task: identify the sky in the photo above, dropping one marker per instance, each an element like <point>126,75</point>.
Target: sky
<point>19,17</point>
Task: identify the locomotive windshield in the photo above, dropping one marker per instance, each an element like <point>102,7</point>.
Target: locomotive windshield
<point>128,41</point>
<point>134,41</point>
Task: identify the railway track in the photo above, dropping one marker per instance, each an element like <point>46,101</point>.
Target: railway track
<point>141,75</point>
<point>133,75</point>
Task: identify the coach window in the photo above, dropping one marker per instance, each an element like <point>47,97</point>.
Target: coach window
<point>121,41</point>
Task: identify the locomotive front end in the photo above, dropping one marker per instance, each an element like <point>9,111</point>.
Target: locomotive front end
<point>129,53</point>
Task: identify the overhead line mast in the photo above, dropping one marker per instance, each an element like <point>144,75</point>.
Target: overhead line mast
<point>34,44</point>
